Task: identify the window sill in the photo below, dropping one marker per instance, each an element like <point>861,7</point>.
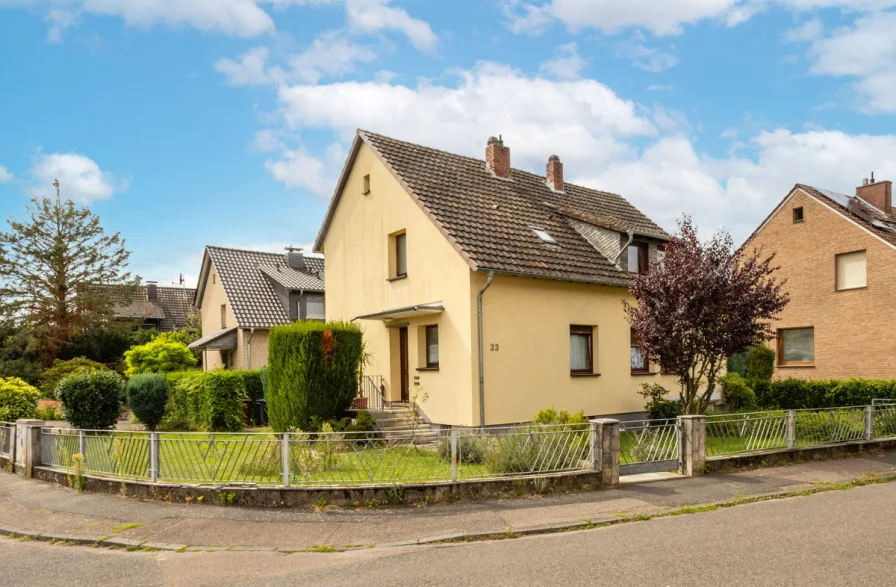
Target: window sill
<point>794,366</point>
<point>850,289</point>
<point>427,368</point>
<point>639,373</point>
<point>584,374</point>
<point>397,277</point>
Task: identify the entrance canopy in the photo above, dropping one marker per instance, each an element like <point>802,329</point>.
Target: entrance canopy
<point>222,340</point>
<point>406,312</point>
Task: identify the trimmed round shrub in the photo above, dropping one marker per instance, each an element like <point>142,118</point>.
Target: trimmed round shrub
<point>160,355</point>
<point>50,378</point>
<point>760,363</point>
<point>147,397</point>
<point>18,400</point>
<point>313,372</point>
<point>91,400</point>
<point>737,394</point>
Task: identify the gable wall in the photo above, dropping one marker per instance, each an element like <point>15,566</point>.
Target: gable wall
<point>212,298</point>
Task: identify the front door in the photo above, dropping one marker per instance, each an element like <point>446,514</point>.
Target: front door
<point>403,363</point>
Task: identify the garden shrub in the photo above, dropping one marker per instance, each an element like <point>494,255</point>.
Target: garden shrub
<point>206,400</point>
<point>91,400</point>
<point>737,363</point>
<point>552,416</point>
<point>50,378</point>
<point>18,400</point>
<point>314,369</point>
<point>738,395</point>
<point>471,449</point>
<point>147,397</point>
<point>657,406</point>
<point>250,380</point>
<point>760,363</point>
<point>160,355</point>
<point>48,409</point>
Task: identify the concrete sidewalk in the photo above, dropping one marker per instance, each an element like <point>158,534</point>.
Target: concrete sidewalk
<point>33,507</point>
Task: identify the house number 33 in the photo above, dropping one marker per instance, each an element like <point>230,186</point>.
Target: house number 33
<point>494,346</point>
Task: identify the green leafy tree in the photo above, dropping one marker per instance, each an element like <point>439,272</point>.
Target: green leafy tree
<point>18,355</point>
<point>50,378</point>
<point>51,264</point>
<point>17,399</point>
<point>161,355</point>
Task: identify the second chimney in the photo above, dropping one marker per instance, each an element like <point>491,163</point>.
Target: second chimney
<point>497,157</point>
<point>294,258</point>
<point>877,193</point>
<point>554,175</point>
<point>152,291</point>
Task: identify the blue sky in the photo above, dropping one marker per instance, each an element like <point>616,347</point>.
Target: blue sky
<point>188,122</point>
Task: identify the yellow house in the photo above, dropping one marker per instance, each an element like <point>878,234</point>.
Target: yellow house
<point>488,291</point>
<point>242,294</point>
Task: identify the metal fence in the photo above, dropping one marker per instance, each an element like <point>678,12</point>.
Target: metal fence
<point>729,434</point>
<point>323,458</point>
<point>371,393</point>
<point>7,438</point>
<point>648,445</point>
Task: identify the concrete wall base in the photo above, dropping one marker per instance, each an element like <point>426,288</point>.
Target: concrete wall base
<point>361,495</point>
<point>796,455</point>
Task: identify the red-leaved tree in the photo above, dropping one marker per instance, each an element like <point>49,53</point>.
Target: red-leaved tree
<point>702,303</point>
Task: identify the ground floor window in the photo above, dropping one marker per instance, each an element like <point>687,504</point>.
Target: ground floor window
<point>796,346</point>
<point>639,361</point>
<point>581,349</point>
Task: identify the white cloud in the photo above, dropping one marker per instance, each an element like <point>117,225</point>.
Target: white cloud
<point>372,16</point>
<point>660,87</point>
<point>809,31</point>
<point>644,57</point>
<point>566,64</point>
<point>331,54</point>
<point>583,118</point>
<point>251,69</point>
<point>384,75</point>
<point>296,168</point>
<point>267,140</point>
<point>6,176</point>
<point>80,177</point>
<point>244,18</point>
<point>865,51</point>
<point>59,21</point>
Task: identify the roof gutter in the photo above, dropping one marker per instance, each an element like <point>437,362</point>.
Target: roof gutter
<point>488,283</point>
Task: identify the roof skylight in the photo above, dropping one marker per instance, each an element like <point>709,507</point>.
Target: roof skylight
<point>543,234</point>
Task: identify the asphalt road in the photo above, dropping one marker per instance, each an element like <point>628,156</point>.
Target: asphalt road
<point>835,538</point>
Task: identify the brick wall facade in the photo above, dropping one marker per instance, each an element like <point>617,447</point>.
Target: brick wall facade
<point>854,329</point>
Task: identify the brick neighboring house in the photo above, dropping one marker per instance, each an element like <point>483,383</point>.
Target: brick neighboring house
<point>160,308</point>
<point>838,254</point>
<point>445,259</point>
<point>242,294</point>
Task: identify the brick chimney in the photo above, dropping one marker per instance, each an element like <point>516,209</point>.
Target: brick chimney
<point>497,157</point>
<point>554,173</point>
<point>877,193</point>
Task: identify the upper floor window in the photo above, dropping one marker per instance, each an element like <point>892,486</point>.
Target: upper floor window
<point>798,214</point>
<point>637,258</point>
<point>851,270</point>
<point>400,254</point>
<point>639,361</point>
<point>314,308</point>
<point>581,349</point>
<point>796,346</point>
<point>366,185</point>
<point>223,316</point>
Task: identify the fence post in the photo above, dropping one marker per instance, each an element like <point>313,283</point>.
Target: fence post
<point>869,422</point>
<point>454,455</point>
<point>154,460</point>
<point>692,451</point>
<point>790,428</point>
<point>286,460</point>
<point>28,445</point>
<point>605,449</point>
<point>82,444</point>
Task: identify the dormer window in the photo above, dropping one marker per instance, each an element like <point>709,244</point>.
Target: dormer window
<point>798,214</point>
<point>543,235</point>
<point>637,258</point>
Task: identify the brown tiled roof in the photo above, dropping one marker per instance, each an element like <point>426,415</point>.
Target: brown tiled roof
<point>873,219</point>
<point>171,308</point>
<point>489,220</point>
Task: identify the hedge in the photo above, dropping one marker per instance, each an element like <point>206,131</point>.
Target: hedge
<point>313,372</point>
<point>212,400</point>
<point>18,400</point>
<point>792,394</point>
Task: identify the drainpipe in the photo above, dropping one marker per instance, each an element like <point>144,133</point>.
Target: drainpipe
<point>631,237</point>
<point>249,349</point>
<point>488,283</point>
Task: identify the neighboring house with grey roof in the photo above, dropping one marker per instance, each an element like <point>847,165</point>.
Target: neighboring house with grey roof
<point>837,253</point>
<point>445,259</point>
<point>161,308</point>
<point>242,294</point>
